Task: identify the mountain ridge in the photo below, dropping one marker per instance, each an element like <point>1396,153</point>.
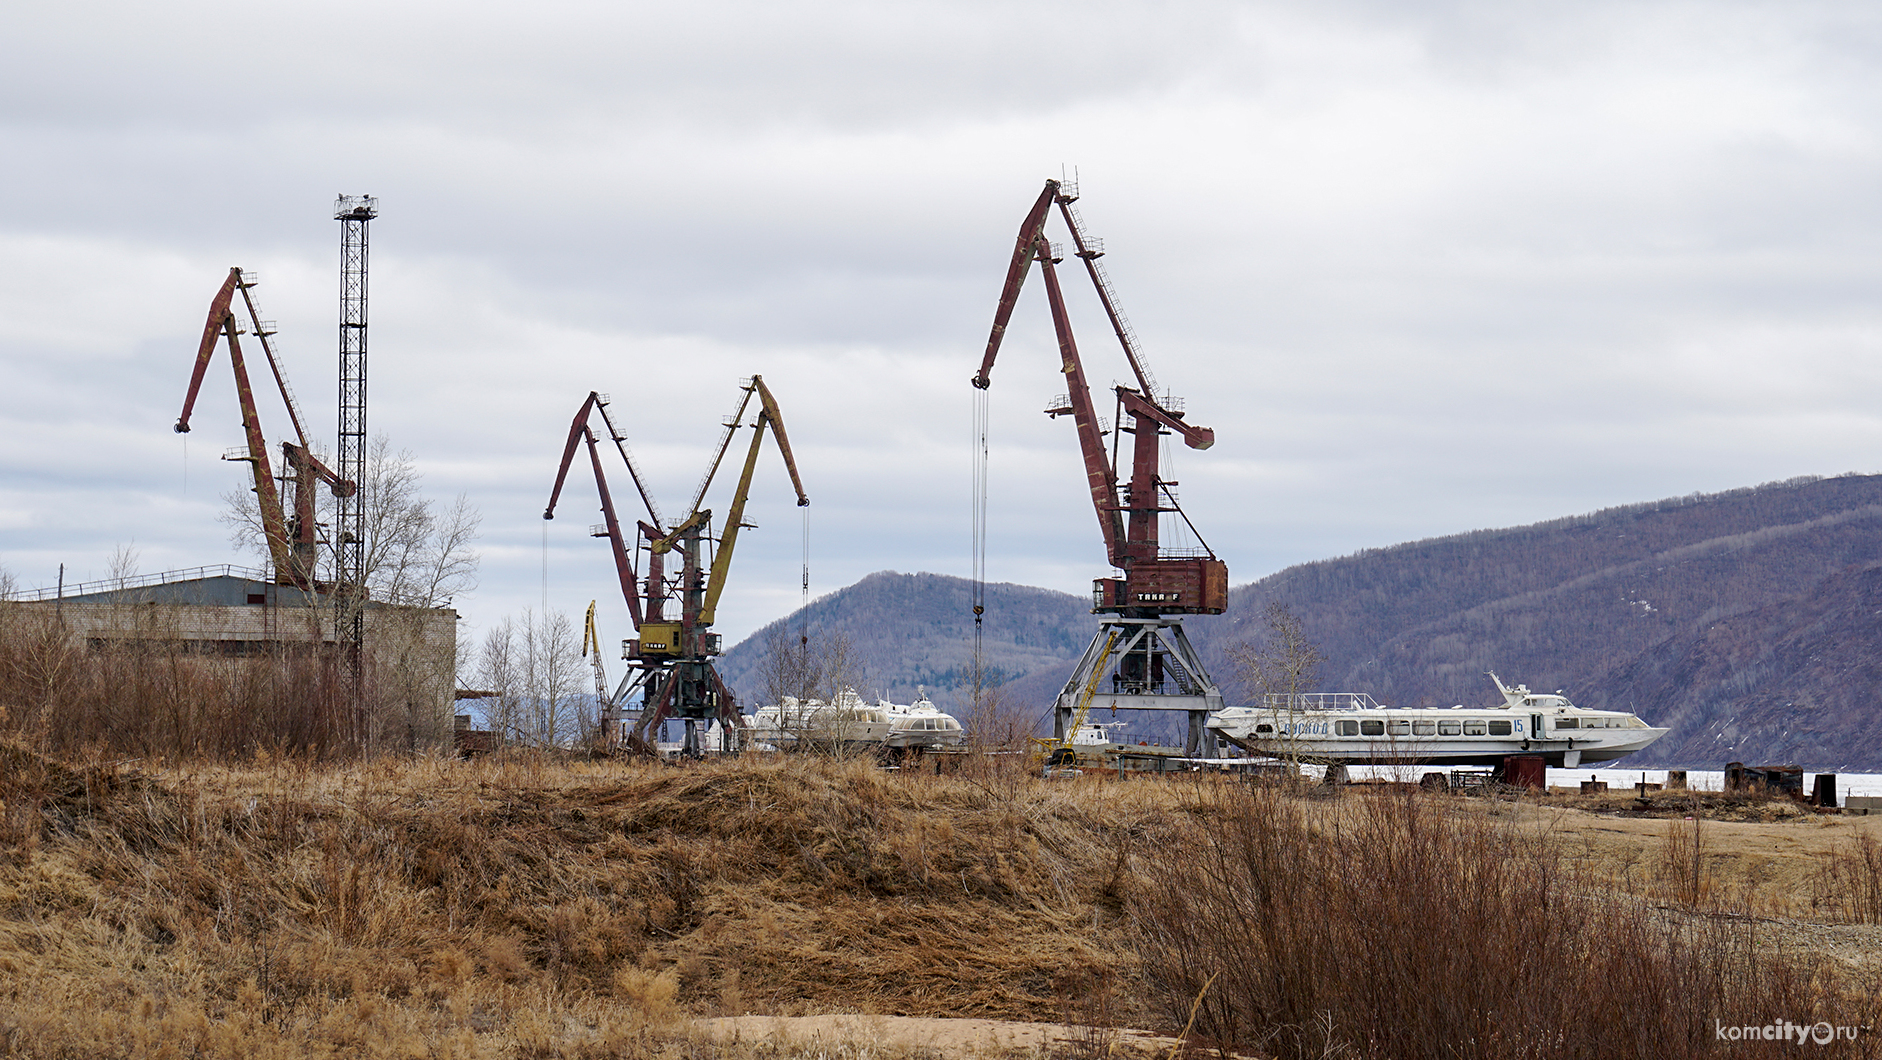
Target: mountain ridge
<point>1616,606</point>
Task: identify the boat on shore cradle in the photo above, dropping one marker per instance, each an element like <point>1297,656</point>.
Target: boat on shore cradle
<point>848,723</point>
<point>921,724</point>
<point>1348,728</point>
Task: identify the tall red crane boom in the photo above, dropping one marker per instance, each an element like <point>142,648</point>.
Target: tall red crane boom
<point>617,541</point>
<point>292,541</point>
<point>1154,581</point>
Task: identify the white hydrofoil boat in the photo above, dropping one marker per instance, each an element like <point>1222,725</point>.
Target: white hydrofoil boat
<point>849,724</point>
<point>1349,728</point>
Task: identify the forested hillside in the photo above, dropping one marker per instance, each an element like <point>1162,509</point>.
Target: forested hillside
<point>917,630</point>
<point>1747,620</point>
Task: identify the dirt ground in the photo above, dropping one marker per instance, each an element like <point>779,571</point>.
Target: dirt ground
<point>1778,856</point>
<point>944,1037</point>
<point>1768,871</point>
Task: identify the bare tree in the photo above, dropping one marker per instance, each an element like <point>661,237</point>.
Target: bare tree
<point>820,670</point>
<point>553,675</point>
<point>535,674</point>
<point>500,673</point>
<point>123,569</point>
<point>1285,664</point>
<point>994,720</point>
<point>414,554</point>
<point>808,665</point>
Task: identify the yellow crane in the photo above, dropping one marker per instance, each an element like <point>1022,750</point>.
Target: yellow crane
<point>672,654</point>
<point>609,714</point>
<point>1059,752</point>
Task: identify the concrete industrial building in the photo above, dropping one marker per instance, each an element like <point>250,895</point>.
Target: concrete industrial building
<point>235,613</point>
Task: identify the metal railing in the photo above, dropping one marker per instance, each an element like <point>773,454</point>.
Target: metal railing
<point>1316,701</point>
<point>138,581</point>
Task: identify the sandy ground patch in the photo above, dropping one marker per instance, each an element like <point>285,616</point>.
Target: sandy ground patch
<point>1775,859</point>
<point>948,1037</point>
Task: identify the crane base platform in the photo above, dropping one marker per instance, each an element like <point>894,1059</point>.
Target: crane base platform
<point>1150,665</point>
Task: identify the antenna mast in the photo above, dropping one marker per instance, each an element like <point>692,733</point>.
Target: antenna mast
<point>355,214</point>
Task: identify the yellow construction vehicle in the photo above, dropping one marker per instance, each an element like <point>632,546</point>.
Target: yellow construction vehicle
<point>1057,756</point>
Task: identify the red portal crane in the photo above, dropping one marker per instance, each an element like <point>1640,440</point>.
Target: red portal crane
<point>293,539</point>
<point>673,656</point>
<point>1146,653</point>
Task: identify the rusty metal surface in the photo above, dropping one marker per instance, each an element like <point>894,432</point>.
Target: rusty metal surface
<point>1128,514</point>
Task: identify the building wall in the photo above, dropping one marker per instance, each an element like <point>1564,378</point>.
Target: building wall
<point>411,652</point>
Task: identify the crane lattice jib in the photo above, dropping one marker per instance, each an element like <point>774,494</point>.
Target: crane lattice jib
<point>591,647</point>
<point>732,423</point>
<point>1089,253</point>
<point>1091,688</point>
<point>617,542</point>
<point>768,415</point>
<point>627,457</point>
<point>264,332</point>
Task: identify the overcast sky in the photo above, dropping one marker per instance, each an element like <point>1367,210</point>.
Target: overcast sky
<point>1425,267</point>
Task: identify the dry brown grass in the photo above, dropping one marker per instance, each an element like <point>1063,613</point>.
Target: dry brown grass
<point>533,907</point>
<point>1398,924</point>
<point>529,906</point>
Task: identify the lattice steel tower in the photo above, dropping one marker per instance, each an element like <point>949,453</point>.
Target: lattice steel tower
<point>355,214</point>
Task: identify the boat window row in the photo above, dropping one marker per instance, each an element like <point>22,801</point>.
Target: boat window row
<point>1443,727</point>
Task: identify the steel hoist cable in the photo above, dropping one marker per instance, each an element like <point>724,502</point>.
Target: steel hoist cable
<point>979,591</point>
<point>803,612</point>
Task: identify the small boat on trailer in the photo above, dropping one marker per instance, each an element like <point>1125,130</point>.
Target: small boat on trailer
<point>1349,728</point>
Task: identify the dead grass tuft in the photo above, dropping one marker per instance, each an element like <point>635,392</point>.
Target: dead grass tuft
<point>532,908</point>
<point>1394,925</point>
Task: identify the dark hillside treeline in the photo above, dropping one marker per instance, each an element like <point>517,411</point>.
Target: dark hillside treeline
<point>917,630</point>
<point>1793,681</point>
<point>1742,619</point>
<point>1554,603</point>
